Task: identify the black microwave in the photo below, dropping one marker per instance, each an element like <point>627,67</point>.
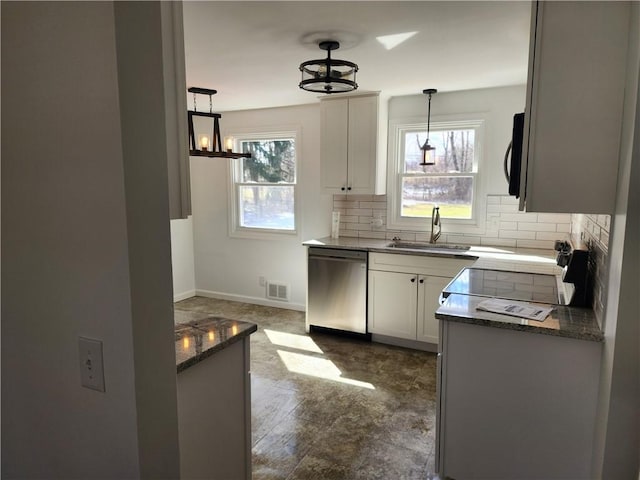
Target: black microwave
<point>512,169</point>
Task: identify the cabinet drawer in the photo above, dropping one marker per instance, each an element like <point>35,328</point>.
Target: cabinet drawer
<point>422,264</point>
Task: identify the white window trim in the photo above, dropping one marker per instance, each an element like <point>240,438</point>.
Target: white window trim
<point>476,224</point>
<point>262,133</point>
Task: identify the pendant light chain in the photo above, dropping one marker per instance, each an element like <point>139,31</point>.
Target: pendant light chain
<point>429,118</point>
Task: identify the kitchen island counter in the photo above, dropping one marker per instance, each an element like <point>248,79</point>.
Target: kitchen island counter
<point>214,397</point>
<point>199,339</point>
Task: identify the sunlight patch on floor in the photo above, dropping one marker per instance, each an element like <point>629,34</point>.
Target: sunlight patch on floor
<point>291,340</point>
<point>317,367</point>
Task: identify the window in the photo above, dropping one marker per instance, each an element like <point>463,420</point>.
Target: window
<point>450,184</point>
<point>264,186</point>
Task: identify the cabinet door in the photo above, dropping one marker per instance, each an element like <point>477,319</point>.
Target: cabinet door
<point>429,289</point>
<point>334,115</point>
<point>362,149</point>
<point>393,304</point>
<point>573,115</point>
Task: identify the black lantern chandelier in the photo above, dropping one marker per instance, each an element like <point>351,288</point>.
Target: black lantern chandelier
<point>428,152</point>
<point>328,75</point>
<point>209,145</point>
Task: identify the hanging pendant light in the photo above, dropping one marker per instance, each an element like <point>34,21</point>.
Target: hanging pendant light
<point>209,145</point>
<point>328,75</point>
<point>428,151</point>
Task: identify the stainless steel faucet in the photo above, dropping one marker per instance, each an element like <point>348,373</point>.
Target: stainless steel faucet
<point>435,221</point>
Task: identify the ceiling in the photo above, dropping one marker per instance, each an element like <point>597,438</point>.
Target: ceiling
<point>250,51</point>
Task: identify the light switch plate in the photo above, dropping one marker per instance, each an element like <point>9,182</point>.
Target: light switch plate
<point>91,367</point>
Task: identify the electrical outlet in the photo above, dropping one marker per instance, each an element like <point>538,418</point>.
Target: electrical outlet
<point>91,366</point>
<point>262,281</point>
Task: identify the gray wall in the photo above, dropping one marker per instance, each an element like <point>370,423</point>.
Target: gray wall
<point>85,243</point>
<point>617,445</point>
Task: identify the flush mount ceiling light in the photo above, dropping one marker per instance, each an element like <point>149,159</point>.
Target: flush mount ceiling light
<point>328,75</point>
<point>209,145</point>
<point>428,152</point>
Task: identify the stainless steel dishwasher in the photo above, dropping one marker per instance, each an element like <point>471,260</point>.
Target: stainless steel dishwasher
<point>337,290</point>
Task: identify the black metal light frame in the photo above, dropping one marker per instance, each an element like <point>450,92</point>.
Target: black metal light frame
<point>428,152</point>
<point>216,139</point>
<point>329,81</point>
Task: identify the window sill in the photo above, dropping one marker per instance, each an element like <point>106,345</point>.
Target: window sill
<point>262,233</point>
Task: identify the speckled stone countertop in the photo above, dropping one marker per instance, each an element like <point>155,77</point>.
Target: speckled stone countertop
<point>199,339</point>
<point>571,322</point>
<point>379,245</point>
<point>500,258</point>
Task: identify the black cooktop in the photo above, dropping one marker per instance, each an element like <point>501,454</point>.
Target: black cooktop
<point>531,287</point>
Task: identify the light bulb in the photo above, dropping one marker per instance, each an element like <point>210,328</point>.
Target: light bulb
<point>204,141</point>
<point>228,144</point>
<point>428,155</point>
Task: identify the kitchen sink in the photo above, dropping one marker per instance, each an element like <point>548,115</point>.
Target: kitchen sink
<point>428,246</point>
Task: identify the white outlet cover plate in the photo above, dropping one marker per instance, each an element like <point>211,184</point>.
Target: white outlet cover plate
<point>91,365</point>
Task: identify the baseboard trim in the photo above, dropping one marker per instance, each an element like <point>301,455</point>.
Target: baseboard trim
<point>184,295</point>
<point>402,342</point>
<point>252,300</point>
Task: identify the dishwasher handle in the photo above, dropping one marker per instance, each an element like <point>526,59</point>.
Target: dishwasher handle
<point>337,254</point>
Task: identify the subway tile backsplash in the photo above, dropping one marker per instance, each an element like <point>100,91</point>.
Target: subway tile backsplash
<point>593,230</point>
<point>365,216</point>
<point>504,226</point>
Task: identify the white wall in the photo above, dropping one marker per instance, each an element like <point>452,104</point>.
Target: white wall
<point>230,267</point>
<point>79,206</point>
<point>144,129</point>
<point>182,260</point>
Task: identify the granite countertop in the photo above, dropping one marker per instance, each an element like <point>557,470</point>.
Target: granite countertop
<point>381,245</point>
<point>563,321</point>
<point>529,260</point>
<point>199,339</point>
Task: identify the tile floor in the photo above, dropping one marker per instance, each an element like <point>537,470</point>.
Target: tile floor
<point>326,407</point>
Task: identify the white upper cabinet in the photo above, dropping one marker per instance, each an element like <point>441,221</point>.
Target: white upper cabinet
<point>353,144</point>
<point>575,95</point>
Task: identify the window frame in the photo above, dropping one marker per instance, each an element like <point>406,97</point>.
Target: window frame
<point>235,182</point>
<point>397,129</point>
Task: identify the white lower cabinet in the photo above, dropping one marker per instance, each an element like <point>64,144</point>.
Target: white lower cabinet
<point>404,292</point>
<point>214,415</point>
<point>393,304</point>
<point>515,405</point>
<point>429,290</point>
